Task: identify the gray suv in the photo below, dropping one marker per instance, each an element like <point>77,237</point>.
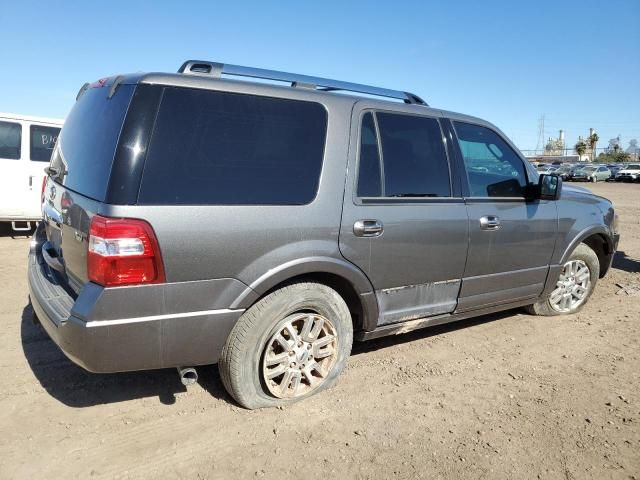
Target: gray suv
<point>191,219</point>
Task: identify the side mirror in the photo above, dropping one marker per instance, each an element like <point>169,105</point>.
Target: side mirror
<point>549,187</point>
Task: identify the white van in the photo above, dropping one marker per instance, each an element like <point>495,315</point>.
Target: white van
<point>26,144</point>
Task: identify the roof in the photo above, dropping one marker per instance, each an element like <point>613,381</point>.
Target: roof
<point>30,118</point>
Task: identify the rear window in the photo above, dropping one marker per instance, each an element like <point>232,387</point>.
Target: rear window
<point>87,142</point>
<point>216,148</point>
<point>415,162</point>
<point>43,140</point>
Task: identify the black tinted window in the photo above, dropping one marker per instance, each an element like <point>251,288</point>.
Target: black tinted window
<point>232,149</point>
<point>43,139</point>
<point>369,177</point>
<point>493,168</point>
<point>87,143</point>
<point>10,138</point>
<point>414,158</point>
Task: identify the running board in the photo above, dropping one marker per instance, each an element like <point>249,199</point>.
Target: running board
<point>411,325</point>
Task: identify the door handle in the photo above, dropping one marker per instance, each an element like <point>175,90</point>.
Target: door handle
<point>30,182</point>
<point>368,228</point>
<point>490,222</point>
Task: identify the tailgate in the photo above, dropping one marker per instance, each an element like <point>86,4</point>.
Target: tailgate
<point>79,175</point>
<point>66,220</point>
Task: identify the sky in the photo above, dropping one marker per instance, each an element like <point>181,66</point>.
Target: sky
<point>575,62</point>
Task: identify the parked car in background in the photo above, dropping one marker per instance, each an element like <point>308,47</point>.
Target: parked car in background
<point>548,169</point>
<point>591,173</point>
<point>573,170</point>
<point>26,144</point>
<point>631,173</point>
<point>615,170</point>
<point>564,171</point>
<point>266,227</point>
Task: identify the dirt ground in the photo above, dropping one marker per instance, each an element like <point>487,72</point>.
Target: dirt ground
<point>504,396</point>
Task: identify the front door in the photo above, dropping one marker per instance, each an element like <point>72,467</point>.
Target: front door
<point>12,170</point>
<point>511,240</point>
<point>404,223</point>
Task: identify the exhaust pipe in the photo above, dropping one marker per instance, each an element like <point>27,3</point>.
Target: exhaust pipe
<point>188,375</point>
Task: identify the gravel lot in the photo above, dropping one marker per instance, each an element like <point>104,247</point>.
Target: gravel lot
<point>503,396</point>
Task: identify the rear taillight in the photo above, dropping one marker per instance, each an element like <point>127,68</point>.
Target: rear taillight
<point>123,251</point>
<point>44,184</point>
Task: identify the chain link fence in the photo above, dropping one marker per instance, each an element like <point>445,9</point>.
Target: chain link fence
<point>570,155</point>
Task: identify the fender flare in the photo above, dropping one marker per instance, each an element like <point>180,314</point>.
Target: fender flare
<point>310,265</point>
<point>587,232</point>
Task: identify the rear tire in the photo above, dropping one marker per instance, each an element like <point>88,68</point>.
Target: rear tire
<point>582,256</point>
<point>303,330</point>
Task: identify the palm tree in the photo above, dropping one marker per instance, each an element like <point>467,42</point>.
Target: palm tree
<point>580,147</point>
<point>593,140</point>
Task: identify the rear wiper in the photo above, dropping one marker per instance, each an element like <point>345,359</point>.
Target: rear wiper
<point>400,195</point>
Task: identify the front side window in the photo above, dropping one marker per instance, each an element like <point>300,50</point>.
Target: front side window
<point>414,160</point>
<point>493,168</point>
<point>10,138</point>
<point>43,139</point>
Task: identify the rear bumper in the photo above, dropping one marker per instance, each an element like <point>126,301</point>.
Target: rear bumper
<point>158,339</point>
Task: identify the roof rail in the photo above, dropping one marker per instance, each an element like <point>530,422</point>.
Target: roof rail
<point>216,70</point>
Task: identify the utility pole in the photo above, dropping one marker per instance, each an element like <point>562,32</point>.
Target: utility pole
<point>540,142</point>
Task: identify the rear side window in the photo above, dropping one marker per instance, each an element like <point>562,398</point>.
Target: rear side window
<point>369,170</point>
<point>87,143</point>
<point>10,139</point>
<point>414,161</point>
<point>43,140</point>
<point>216,148</point>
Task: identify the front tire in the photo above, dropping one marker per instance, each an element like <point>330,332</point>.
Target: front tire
<point>575,284</point>
<point>291,344</point>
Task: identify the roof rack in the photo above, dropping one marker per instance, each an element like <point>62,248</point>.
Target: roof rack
<point>216,70</point>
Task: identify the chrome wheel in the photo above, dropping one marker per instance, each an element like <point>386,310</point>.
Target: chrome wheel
<point>572,288</point>
<point>299,356</point>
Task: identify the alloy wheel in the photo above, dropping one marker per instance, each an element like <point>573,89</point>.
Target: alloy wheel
<point>299,356</point>
<point>572,287</point>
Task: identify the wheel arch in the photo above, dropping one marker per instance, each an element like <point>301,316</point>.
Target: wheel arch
<point>345,278</point>
<point>598,239</point>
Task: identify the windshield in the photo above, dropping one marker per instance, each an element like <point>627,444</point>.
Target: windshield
<point>633,167</point>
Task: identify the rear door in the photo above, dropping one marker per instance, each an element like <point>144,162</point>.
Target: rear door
<point>511,239</point>
<point>41,140</point>
<point>404,223</point>
<point>13,183</point>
